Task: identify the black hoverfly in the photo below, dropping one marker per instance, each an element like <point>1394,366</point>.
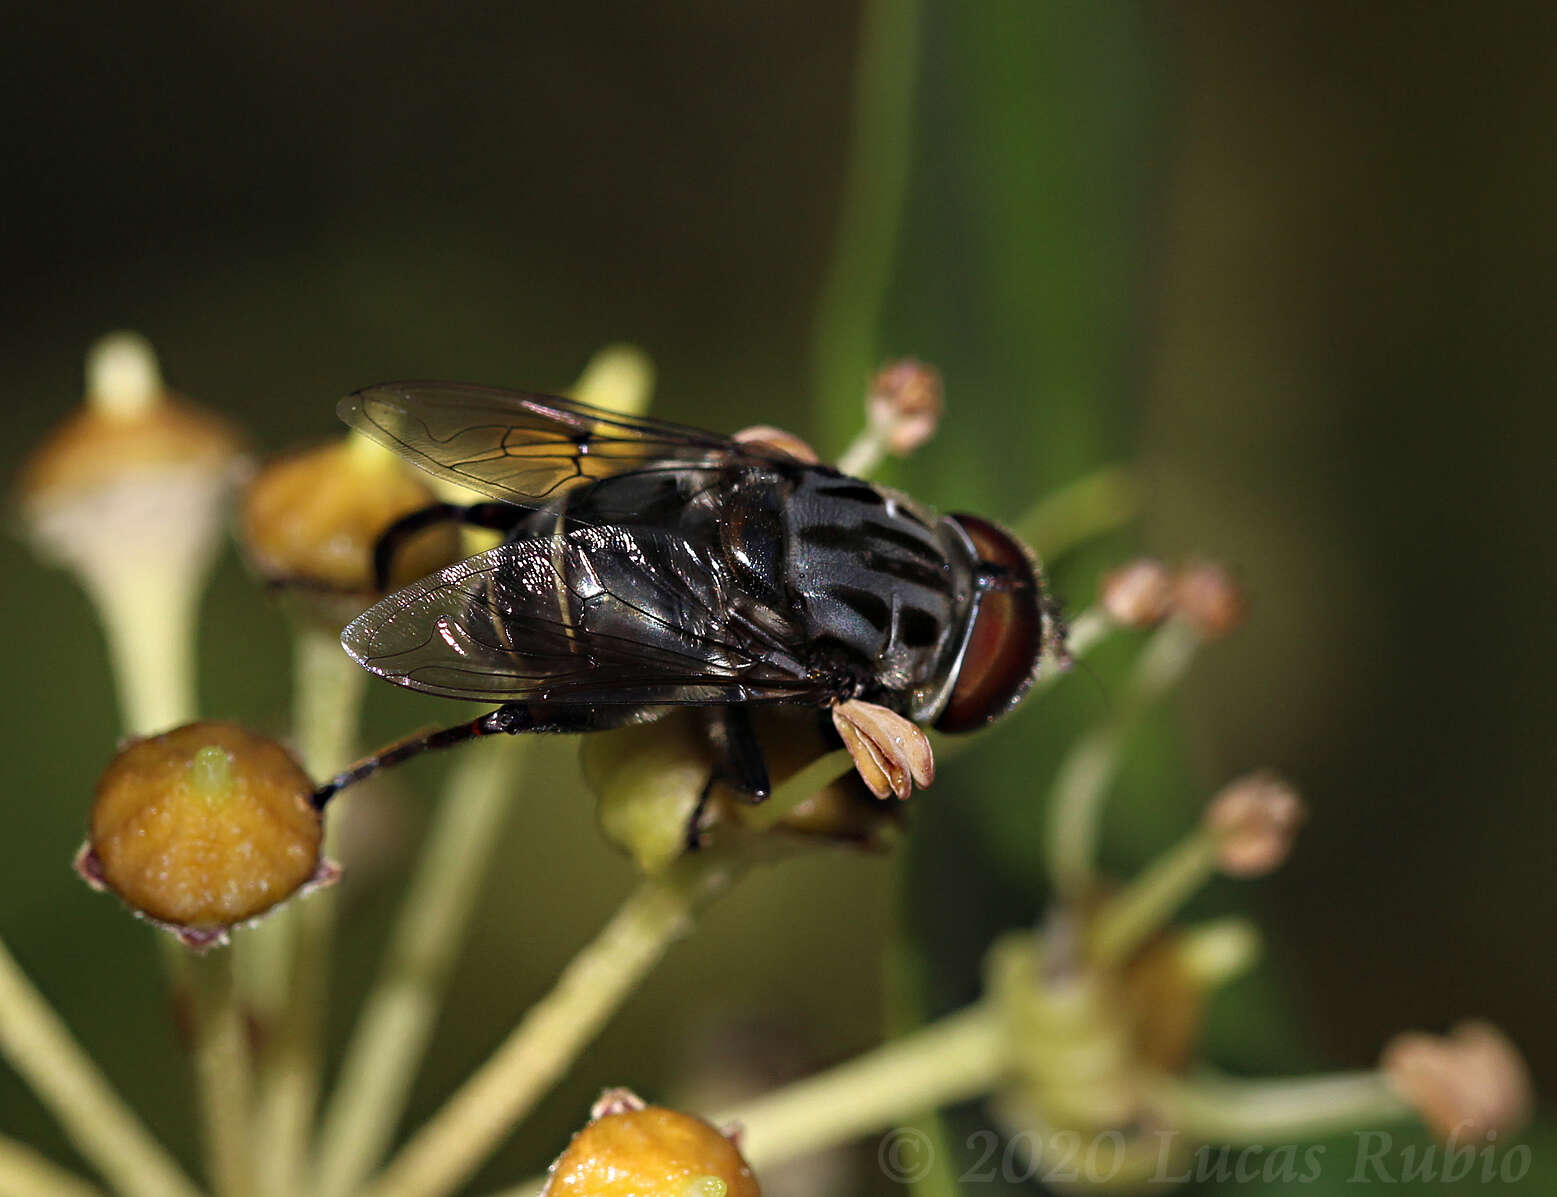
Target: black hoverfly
<point>647,565</point>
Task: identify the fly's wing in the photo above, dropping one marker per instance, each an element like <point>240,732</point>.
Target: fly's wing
<point>529,449</point>
<point>605,615</point>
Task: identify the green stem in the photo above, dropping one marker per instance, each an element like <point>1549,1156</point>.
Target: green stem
<point>865,452</point>
<point>222,1068</point>
<point>817,775</point>
<point>148,618</point>
<point>290,952</point>
<point>25,1173</point>
<point>1081,784</point>
<point>1135,913</point>
<point>397,1020</point>
<point>327,699</point>
<point>1100,502</point>
<point>844,339</point>
<point>94,1117</point>
<point>551,1035</point>
<point>1268,1112</point>
<point>953,1059</point>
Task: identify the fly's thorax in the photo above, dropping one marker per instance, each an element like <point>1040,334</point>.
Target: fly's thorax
<point>883,585</point>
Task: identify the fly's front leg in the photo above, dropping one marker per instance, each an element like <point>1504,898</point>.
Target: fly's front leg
<point>493,516</point>
<point>740,764</point>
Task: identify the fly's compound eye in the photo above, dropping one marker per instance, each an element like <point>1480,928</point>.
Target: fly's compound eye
<point>1007,640</point>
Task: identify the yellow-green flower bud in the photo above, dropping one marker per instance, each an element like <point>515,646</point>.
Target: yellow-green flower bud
<point>630,1149</point>
<point>203,827</point>
<point>130,494</point>
<point>648,779</point>
<point>311,521</point>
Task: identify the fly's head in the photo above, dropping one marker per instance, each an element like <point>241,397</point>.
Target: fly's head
<point>1014,622</point>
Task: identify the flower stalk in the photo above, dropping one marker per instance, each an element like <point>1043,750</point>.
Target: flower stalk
<point>556,1029</point>
<point>103,1128</point>
<point>1094,504</point>
<point>956,1058</point>
<point>25,1173</point>
<point>1082,782</point>
<point>396,1022</point>
<point>288,977</point>
<point>223,1068</point>
<point>1219,1110</point>
<point>1129,918</point>
<point>849,308</point>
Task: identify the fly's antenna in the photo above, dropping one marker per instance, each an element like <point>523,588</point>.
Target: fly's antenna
<point>1097,681</point>
<point>1056,634</point>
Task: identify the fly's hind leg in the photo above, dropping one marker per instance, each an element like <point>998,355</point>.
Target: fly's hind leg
<point>513,718</point>
<point>740,764</point>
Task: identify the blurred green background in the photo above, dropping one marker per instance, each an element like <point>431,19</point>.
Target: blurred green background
<point>1293,260</point>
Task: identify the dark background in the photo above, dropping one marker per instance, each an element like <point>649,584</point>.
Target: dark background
<point>1293,260</point>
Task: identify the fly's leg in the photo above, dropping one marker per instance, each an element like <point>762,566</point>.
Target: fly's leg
<point>514,718</point>
<point>494,516</point>
<point>741,764</point>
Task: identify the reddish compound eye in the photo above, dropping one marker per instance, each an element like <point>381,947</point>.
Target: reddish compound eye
<point>1003,651</point>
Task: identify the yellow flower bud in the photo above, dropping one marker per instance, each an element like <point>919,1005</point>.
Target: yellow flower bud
<point>630,1149</point>
<point>647,780</point>
<point>130,494</point>
<point>130,431</point>
<point>311,520</point>
<point>619,378</point>
<point>203,827</point>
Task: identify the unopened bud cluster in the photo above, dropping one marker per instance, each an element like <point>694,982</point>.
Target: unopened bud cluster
<point>1144,592</point>
<point>1254,821</point>
<point>905,402</point>
<point>131,444</point>
<point>1465,1085</point>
